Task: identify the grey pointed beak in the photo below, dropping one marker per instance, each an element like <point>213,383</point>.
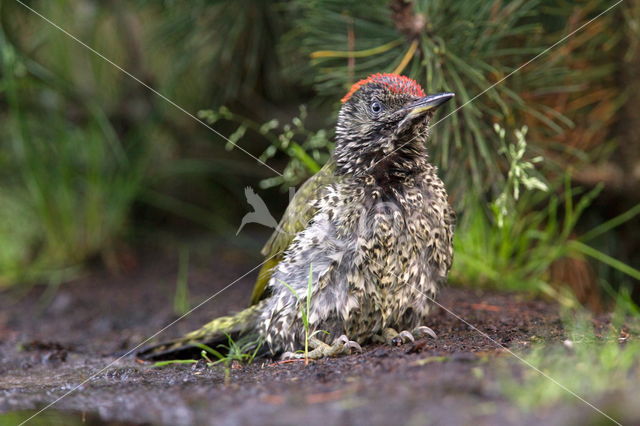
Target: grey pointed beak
<point>428,103</point>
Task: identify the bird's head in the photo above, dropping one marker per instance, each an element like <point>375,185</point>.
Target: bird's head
<point>383,122</point>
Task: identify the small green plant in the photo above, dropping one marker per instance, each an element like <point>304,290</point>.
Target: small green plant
<point>244,351</point>
<point>181,297</point>
<point>527,228</point>
<point>307,150</point>
<point>305,307</point>
<point>518,254</point>
<point>521,173</point>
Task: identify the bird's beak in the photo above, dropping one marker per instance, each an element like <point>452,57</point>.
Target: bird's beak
<point>428,103</point>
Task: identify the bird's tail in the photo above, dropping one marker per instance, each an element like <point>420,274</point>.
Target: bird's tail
<point>215,334</point>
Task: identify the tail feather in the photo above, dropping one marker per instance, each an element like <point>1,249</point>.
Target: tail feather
<point>213,334</point>
<point>177,349</point>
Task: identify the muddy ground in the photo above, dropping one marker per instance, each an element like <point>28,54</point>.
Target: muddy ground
<point>50,343</point>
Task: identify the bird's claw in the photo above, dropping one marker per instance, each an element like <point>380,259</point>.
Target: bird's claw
<point>290,355</point>
<point>348,344</point>
<point>393,338</point>
<point>423,331</point>
<point>341,346</point>
<point>402,338</point>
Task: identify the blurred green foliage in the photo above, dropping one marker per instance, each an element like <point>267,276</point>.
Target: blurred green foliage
<point>88,156</point>
<point>528,230</point>
<point>67,186</point>
<point>591,362</point>
<point>307,150</point>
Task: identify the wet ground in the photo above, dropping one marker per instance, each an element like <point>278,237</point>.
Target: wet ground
<point>64,347</point>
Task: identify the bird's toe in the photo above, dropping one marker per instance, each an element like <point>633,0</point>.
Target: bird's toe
<point>346,344</point>
<point>406,336</point>
<point>394,338</point>
<point>423,331</point>
<point>291,355</point>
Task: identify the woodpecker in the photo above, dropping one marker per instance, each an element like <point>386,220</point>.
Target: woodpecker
<point>367,240</point>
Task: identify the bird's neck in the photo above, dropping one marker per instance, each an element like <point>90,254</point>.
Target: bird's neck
<point>390,164</point>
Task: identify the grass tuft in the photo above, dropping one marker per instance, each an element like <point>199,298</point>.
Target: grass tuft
<point>243,351</point>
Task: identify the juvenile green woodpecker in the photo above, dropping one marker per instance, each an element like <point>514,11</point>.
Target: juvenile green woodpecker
<point>372,232</point>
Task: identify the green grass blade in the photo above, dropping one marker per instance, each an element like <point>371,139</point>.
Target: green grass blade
<point>606,259</point>
<point>611,224</point>
<point>174,361</point>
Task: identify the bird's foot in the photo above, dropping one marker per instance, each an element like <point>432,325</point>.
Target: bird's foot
<point>393,338</point>
<point>341,346</point>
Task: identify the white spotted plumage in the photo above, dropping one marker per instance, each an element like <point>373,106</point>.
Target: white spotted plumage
<point>376,263</point>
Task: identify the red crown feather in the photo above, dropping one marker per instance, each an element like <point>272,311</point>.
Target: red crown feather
<point>395,82</point>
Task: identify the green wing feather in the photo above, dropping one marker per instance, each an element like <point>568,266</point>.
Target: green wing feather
<point>296,217</point>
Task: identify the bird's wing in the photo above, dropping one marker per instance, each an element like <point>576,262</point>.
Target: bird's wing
<point>300,211</point>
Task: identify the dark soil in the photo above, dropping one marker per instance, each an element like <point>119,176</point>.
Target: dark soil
<point>69,344</point>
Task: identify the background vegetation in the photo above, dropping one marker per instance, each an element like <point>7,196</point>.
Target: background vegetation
<point>92,162</point>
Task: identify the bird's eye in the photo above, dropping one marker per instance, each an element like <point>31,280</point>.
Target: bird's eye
<point>376,107</point>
